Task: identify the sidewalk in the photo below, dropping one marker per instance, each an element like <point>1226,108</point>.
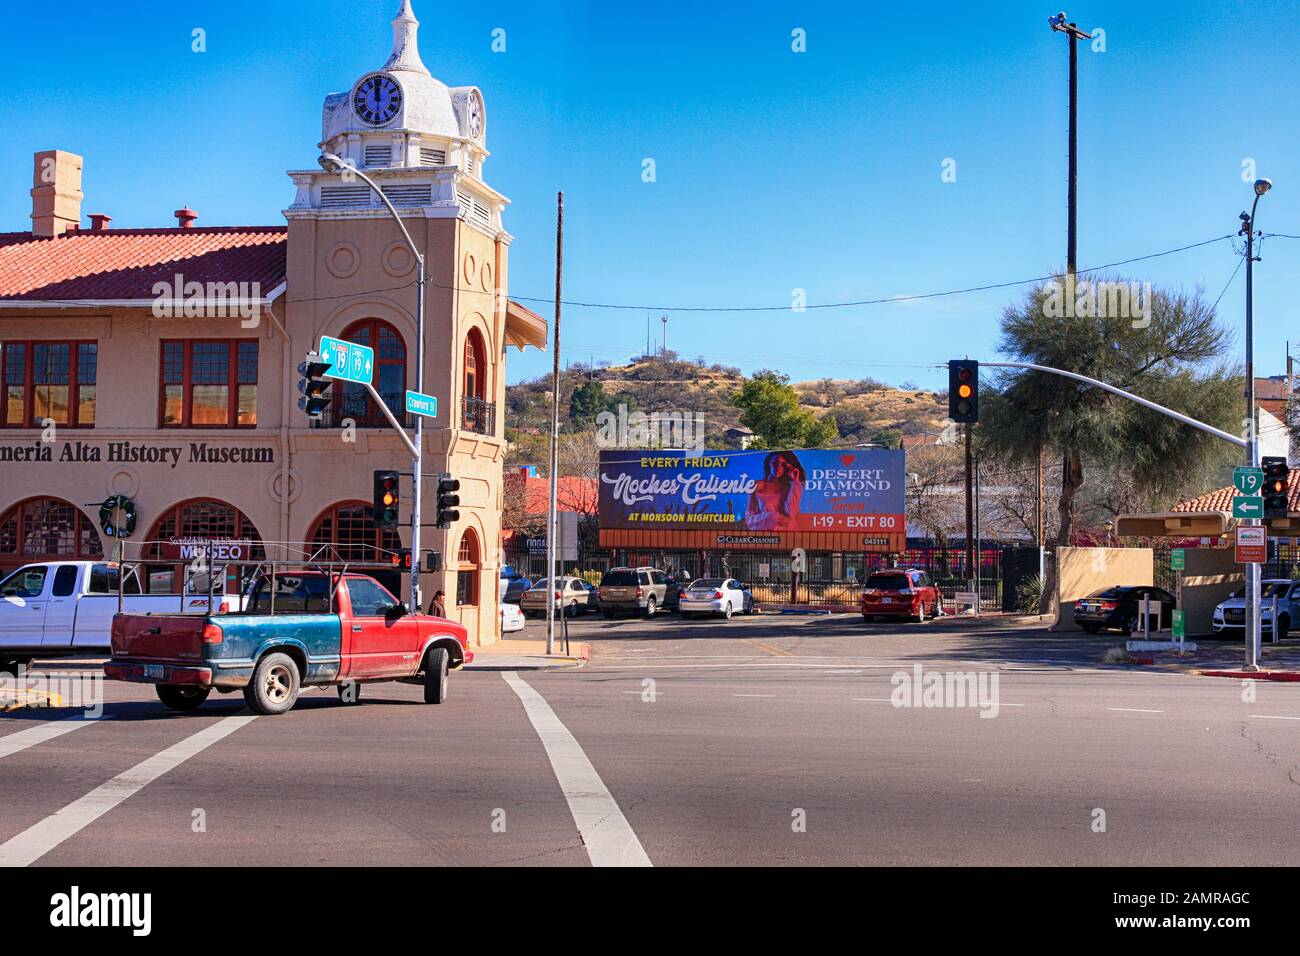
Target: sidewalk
<point>518,654</point>
<point>1279,662</point>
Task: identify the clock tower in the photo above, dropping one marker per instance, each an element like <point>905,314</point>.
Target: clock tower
<point>351,276</point>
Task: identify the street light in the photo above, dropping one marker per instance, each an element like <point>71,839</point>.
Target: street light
<point>333,164</point>
<point>1252,450</point>
<point>1074,35</point>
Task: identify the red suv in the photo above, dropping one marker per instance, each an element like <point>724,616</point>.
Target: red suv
<point>900,592</point>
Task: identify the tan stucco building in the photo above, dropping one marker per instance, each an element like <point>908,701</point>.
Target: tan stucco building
<point>161,364</point>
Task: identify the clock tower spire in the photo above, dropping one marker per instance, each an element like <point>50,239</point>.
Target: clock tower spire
<point>406,48</point>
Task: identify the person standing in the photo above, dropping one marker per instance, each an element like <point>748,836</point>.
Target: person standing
<point>436,607</point>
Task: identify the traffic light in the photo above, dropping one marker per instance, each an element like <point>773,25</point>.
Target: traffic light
<point>401,559</point>
<point>447,502</point>
<point>1276,492</point>
<point>387,497</point>
<point>313,385</point>
<point>964,390</point>
<point>433,561</point>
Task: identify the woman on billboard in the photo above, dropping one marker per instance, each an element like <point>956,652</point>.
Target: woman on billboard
<point>774,502</point>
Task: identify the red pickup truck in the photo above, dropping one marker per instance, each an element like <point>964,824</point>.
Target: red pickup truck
<point>299,629</point>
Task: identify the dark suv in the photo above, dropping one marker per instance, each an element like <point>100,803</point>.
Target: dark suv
<point>639,590</point>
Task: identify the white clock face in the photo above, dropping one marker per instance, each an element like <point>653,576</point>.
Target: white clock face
<point>475,115</point>
<point>377,99</point>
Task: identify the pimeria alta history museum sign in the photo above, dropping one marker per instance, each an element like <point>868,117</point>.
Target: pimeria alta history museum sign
<point>141,453</point>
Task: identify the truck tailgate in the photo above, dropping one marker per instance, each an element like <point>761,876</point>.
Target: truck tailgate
<point>159,636</point>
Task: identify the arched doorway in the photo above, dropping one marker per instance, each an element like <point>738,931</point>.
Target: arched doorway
<point>46,529</point>
<point>197,527</point>
<point>353,401</point>
<point>348,530</point>
<point>468,570</point>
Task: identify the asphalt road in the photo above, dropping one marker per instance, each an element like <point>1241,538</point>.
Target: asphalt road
<point>758,741</point>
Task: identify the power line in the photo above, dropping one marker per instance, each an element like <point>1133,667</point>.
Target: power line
<point>886,299</point>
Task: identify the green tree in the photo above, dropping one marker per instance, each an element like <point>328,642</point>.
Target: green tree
<point>770,409</point>
<point>1174,354</point>
<point>587,401</point>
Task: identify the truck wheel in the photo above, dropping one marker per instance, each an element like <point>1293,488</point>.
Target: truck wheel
<point>435,676</point>
<point>349,692</point>
<point>180,697</point>
<point>650,607</point>
<point>274,687</point>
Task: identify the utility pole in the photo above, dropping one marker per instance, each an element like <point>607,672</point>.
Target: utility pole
<point>1252,451</point>
<point>555,431</point>
<point>664,320</point>
<point>970,513</point>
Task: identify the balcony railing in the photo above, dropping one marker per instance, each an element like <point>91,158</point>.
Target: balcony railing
<point>478,415</point>
<point>358,407</point>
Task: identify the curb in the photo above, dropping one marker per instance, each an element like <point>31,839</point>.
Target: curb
<point>29,698</point>
<point>578,659</point>
<point>1286,676</point>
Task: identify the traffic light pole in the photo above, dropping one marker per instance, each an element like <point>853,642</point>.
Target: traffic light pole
<point>1252,449</point>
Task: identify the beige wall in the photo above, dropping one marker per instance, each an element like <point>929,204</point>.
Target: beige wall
<point>323,468</point>
<point>1081,571</point>
<point>1210,576</point>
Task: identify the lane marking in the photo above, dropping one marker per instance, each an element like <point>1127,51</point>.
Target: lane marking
<point>1135,710</point>
<point>1260,716</point>
<point>883,700</point>
<point>606,834</point>
<point>40,838</point>
<point>20,740</point>
<point>753,695</point>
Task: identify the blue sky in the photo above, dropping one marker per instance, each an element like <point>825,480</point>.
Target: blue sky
<point>775,170</point>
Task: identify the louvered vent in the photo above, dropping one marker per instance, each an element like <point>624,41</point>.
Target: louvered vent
<point>432,157</point>
<point>379,156</point>
<point>344,197</point>
<point>482,213</point>
<point>415,195</point>
<point>463,201</point>
<point>469,164</point>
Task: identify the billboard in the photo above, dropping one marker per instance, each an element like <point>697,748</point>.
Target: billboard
<point>826,500</point>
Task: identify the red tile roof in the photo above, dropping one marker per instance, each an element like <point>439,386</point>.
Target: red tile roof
<point>572,493</point>
<point>1221,499</point>
<point>125,263</point>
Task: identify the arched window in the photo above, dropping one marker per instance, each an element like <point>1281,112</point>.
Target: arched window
<point>477,413</point>
<point>196,527</point>
<point>347,532</point>
<point>44,529</point>
<point>353,401</point>
<point>467,570</point>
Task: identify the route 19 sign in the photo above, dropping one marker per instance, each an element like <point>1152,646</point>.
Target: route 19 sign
<point>1252,545</point>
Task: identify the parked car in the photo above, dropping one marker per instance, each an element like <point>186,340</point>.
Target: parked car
<point>593,596</point>
<point>291,636</point>
<point>513,585</point>
<point>723,596</point>
<point>67,607</point>
<point>570,597</point>
<point>512,618</point>
<point>639,590</point>
<point>1230,615</point>
<point>1116,608</point>
<point>900,592</point>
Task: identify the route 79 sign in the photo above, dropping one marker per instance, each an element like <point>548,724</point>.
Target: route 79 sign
<point>355,363</point>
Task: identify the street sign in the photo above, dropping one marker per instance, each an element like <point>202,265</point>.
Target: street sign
<point>418,404</point>
<point>1252,545</point>
<point>1177,559</point>
<point>1248,506</point>
<point>347,360</point>
<point>1179,628</point>
<point>1248,480</point>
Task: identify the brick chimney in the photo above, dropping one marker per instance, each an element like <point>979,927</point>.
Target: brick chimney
<point>99,221</point>
<point>56,193</point>
<point>185,217</point>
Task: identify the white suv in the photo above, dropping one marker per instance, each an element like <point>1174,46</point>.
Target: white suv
<point>1230,615</point>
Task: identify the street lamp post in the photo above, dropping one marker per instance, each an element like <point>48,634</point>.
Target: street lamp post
<point>1073,34</point>
<point>1252,449</point>
<point>333,164</point>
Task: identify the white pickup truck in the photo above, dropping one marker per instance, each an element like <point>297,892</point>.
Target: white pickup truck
<point>66,607</point>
